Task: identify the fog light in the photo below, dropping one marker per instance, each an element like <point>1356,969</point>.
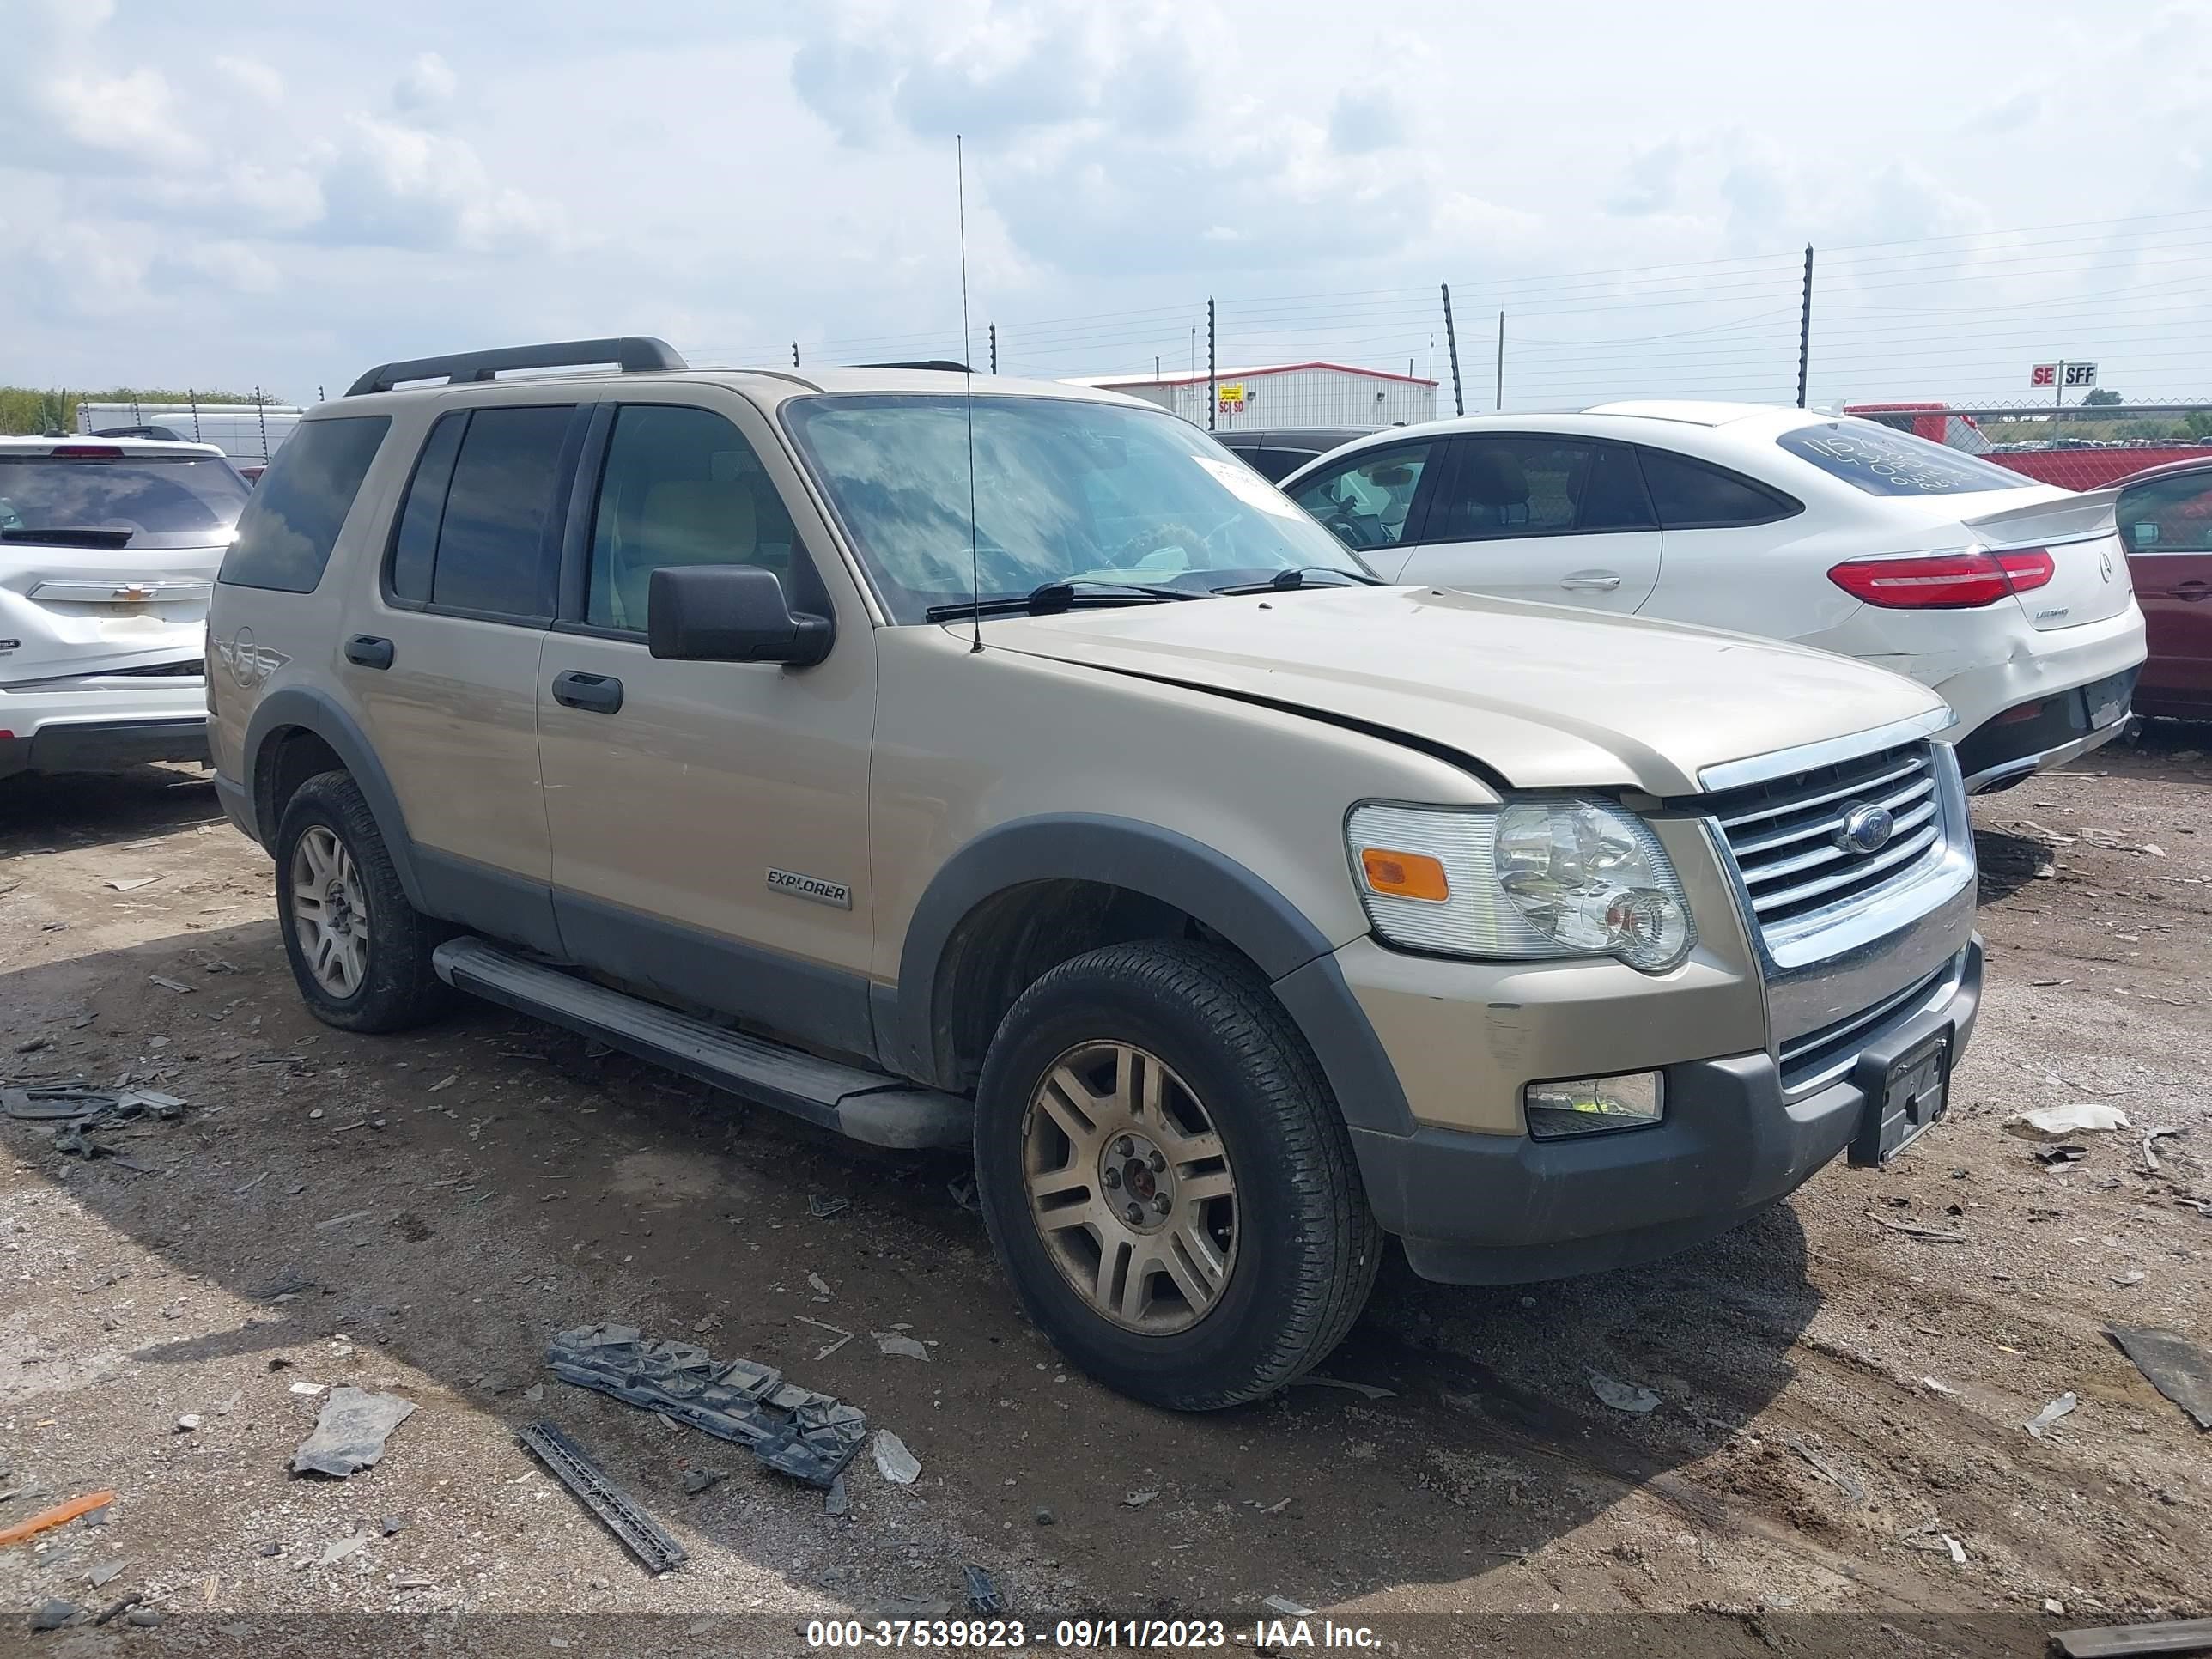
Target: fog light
<point>1592,1105</point>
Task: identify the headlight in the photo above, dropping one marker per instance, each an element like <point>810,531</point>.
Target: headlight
<point>1536,878</point>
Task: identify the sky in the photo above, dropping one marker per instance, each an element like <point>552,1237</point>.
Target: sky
<point>271,196</point>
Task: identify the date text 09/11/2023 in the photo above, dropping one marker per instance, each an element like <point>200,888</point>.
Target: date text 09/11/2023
<point>1087,1635</point>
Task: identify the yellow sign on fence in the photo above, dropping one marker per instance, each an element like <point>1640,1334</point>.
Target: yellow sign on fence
<point>1232,395</point>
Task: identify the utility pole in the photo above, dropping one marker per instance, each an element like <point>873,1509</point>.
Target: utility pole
<point>261,409</point>
<point>1805,329</point>
<point>2057,398</point>
<point>1451,346</point>
<point>192,397</point>
<point>995,348</point>
<point>1500,404</point>
<point>1213,370</point>
<point>794,354</point>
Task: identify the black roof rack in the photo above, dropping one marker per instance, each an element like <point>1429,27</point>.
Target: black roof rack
<point>943,363</point>
<point>633,354</point>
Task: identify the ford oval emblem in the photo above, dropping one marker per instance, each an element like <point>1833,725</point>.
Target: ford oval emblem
<point>1865,830</point>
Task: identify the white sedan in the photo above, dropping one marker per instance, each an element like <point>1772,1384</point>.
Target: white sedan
<point>2009,597</point>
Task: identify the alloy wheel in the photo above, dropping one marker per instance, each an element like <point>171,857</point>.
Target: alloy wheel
<point>330,912</point>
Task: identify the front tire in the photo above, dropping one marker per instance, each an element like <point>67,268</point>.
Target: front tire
<point>1167,1179</point>
<point>360,952</point>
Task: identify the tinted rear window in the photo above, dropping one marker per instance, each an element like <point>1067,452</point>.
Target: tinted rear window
<point>1882,462</point>
<point>491,552</point>
<point>181,502</point>
<point>1690,496</point>
<point>292,518</point>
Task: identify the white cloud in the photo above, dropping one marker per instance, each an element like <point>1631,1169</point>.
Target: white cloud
<point>234,267</point>
<point>253,77</point>
<point>427,88</point>
<point>396,185</point>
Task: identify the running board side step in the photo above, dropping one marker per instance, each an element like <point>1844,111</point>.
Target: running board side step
<point>873,1107</point>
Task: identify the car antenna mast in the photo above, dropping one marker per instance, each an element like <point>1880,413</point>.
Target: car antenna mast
<point>968,380</point>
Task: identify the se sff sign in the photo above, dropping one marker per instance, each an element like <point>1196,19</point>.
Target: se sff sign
<point>2062,374</point>
<point>1232,394</point>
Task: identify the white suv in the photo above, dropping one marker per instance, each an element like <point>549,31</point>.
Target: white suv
<point>108,550</point>
<point>2009,597</point>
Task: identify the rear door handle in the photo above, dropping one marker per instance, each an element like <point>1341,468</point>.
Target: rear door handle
<point>369,652</point>
<point>599,694</point>
<point>2193,590</point>
<point>1591,581</point>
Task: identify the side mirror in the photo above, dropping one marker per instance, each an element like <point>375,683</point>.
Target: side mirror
<point>729,613</point>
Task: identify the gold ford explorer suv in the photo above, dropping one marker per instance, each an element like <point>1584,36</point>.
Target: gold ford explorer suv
<point>1009,764</point>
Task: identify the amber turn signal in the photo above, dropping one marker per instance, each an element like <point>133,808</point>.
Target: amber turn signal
<point>1404,875</point>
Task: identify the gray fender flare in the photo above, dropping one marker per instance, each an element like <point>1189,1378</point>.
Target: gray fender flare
<point>317,711</point>
<point>1296,957</point>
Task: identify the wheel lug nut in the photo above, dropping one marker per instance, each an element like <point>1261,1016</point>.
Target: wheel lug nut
<point>1124,1146</point>
<point>1135,1215</point>
<point>1113,1177</point>
<point>1160,1203</point>
<point>1158,1161</point>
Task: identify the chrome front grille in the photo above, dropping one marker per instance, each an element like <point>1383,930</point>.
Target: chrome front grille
<point>1789,838</point>
<point>1823,1055</point>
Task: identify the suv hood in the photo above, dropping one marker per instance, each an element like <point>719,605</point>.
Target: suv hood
<point>1547,696</point>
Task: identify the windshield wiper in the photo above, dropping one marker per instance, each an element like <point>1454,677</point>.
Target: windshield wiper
<point>70,535</point>
<point>1050,598</point>
<point>1284,581</point>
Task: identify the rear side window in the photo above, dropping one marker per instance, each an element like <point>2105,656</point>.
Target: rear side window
<point>292,519</point>
<point>1885,463</point>
<point>1691,495</point>
<point>472,534</point>
<point>2168,516</point>
<point>111,499</point>
<point>1536,486</point>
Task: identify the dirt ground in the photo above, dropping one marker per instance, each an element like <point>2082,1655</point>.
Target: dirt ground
<point>1842,1402</point>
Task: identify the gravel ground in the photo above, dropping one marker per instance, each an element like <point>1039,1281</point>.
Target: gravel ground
<point>1840,1429</point>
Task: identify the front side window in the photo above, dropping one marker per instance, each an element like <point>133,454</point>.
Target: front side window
<point>1063,490</point>
<point>681,486</point>
<point>292,519</point>
<point>1689,494</point>
<point>2167,515</point>
<point>1538,486</point>
<point>1882,462</point>
<point>491,553</point>
<point>1366,501</point>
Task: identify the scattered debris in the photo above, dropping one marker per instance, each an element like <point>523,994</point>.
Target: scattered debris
<point>99,1575</point>
<point>894,1461</point>
<point>1914,1229</point>
<point>1368,1388</point>
<point>176,985</point>
<point>641,1534</point>
<point>130,883</point>
<point>2057,1123</point>
<point>78,1111</point>
<point>898,1342</point>
<point>392,1525</point>
<point>2071,1152</point>
<point>963,1194</point>
<point>1275,1508</point>
<point>342,1220</point>
<point>1288,1608</point>
<point>444,1082</point>
<point>820,1285</point>
<point>983,1596</point>
<point>1933,1387</point>
<point>189,1423</point>
<point>823,1208</point>
<point>2133,1276</point>
<point>2109,1641</point>
<point>53,1613</point>
<point>1137,1500</point>
<point>1045,1517</point>
<point>338,1548</point>
<point>1827,1471</point>
<point>842,1335</point>
<point>350,1433</point>
<point>837,1500</point>
<point>60,1515</point>
<point>1958,1550</point>
<point>2150,1157</point>
<point>2050,1415</point>
<point>144,1617</point>
<point>697,1480</point>
<point>1624,1396</point>
<point>2173,1364</point>
<point>309,1389</point>
<point>810,1436</point>
<point>121,1607</point>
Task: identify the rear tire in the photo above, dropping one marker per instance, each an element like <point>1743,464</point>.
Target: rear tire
<point>360,952</point>
<point>1168,1180</point>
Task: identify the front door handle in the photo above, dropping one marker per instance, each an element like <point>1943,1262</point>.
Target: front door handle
<point>599,694</point>
<point>1590,581</point>
<point>369,652</point>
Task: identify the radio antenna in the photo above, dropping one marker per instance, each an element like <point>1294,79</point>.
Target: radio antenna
<point>968,377</point>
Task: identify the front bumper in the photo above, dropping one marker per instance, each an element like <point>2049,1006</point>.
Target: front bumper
<point>1490,1209</point>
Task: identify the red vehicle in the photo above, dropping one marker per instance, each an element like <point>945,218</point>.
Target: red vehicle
<point>2165,519</point>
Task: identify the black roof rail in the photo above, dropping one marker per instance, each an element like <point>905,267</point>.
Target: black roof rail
<point>633,354</point>
<point>943,363</point>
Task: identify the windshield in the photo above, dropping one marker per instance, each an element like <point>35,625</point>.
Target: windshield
<point>1885,463</point>
<point>1064,491</point>
<point>187,501</point>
